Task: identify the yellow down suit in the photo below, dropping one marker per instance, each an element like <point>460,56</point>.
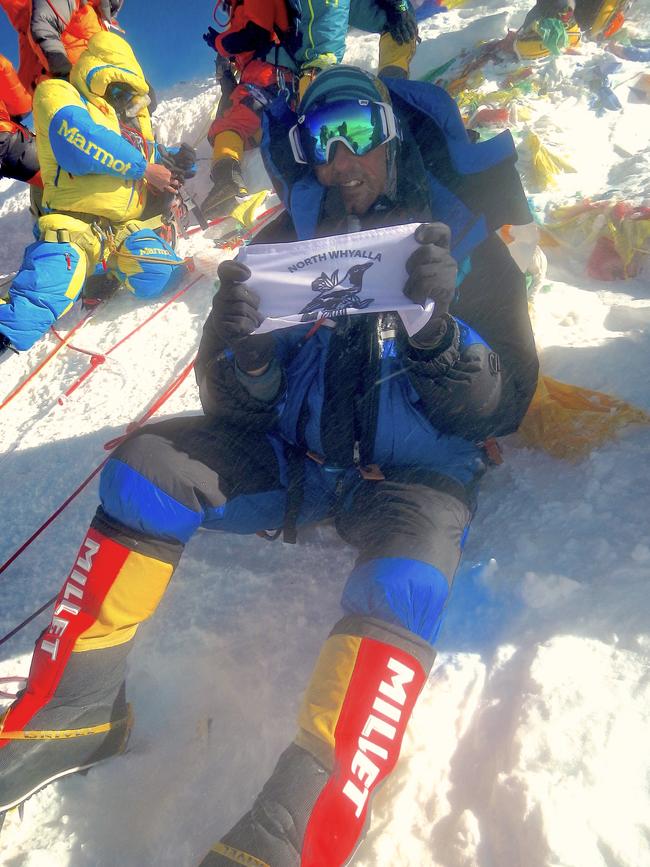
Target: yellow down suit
<point>94,194</point>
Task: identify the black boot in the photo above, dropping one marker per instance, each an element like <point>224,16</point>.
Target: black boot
<point>5,344</point>
<point>99,287</point>
<point>274,829</point>
<point>87,720</point>
<point>228,185</point>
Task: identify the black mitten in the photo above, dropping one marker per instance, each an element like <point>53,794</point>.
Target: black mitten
<point>432,277</point>
<point>236,315</point>
<point>210,36</point>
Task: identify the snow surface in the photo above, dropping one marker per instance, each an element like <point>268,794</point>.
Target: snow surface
<point>529,746</point>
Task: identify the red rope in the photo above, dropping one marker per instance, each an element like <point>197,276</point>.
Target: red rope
<point>211,223</point>
<point>262,220</point>
<point>99,359</point>
<point>52,517</point>
<point>26,621</point>
<point>48,357</point>
<point>155,406</point>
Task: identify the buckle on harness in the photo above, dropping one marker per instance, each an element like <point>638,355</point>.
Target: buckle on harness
<point>371,473</point>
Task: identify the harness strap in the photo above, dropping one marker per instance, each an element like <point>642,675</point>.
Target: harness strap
<point>295,493</point>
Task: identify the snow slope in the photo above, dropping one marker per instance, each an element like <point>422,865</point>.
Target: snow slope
<point>529,745</point>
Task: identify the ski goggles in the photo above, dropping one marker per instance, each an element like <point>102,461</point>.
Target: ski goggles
<point>360,124</point>
<point>126,101</point>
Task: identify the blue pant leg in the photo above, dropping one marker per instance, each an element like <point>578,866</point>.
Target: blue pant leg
<point>410,538</point>
<point>50,279</point>
<point>175,476</point>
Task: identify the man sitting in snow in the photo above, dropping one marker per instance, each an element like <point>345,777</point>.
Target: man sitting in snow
<point>352,420</point>
<point>99,164</point>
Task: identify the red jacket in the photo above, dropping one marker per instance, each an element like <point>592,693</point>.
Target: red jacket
<point>270,15</point>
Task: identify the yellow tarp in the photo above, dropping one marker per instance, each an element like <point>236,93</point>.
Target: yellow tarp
<point>568,421</point>
<point>249,210</point>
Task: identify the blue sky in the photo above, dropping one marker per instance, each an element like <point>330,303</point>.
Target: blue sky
<point>166,38</point>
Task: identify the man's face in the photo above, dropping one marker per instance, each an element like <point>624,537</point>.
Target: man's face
<point>359,180</point>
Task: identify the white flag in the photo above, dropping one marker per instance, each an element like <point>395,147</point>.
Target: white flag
<point>363,272</point>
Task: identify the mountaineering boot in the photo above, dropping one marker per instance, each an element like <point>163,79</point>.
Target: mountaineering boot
<point>72,712</point>
<point>80,727</point>
<point>549,29</point>
<point>394,57</point>
<point>601,19</point>
<point>227,153</point>
<point>99,287</point>
<point>228,185</point>
<point>314,808</point>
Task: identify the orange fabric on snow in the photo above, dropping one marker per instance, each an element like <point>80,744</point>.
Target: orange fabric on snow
<point>568,421</point>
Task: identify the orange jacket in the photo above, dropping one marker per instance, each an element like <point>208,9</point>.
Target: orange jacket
<point>47,28</point>
<point>15,99</point>
<point>83,24</point>
<point>32,65</point>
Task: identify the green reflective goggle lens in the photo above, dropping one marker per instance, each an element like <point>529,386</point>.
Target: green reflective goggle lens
<point>359,124</point>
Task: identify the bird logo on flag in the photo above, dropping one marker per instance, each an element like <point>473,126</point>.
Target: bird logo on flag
<point>336,296</point>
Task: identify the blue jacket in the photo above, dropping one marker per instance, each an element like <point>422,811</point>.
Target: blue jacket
<point>360,391</point>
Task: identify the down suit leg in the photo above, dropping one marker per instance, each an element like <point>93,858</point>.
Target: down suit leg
<point>158,488</point>
<point>54,270</point>
<point>313,810</point>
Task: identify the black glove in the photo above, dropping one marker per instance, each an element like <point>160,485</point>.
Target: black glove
<point>432,276</point>
<point>210,36</point>
<point>236,315</point>
<point>467,393</point>
<point>59,66</point>
<point>400,20</point>
<point>180,160</point>
<point>226,80</point>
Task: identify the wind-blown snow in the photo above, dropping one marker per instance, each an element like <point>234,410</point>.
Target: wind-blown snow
<point>529,746</point>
